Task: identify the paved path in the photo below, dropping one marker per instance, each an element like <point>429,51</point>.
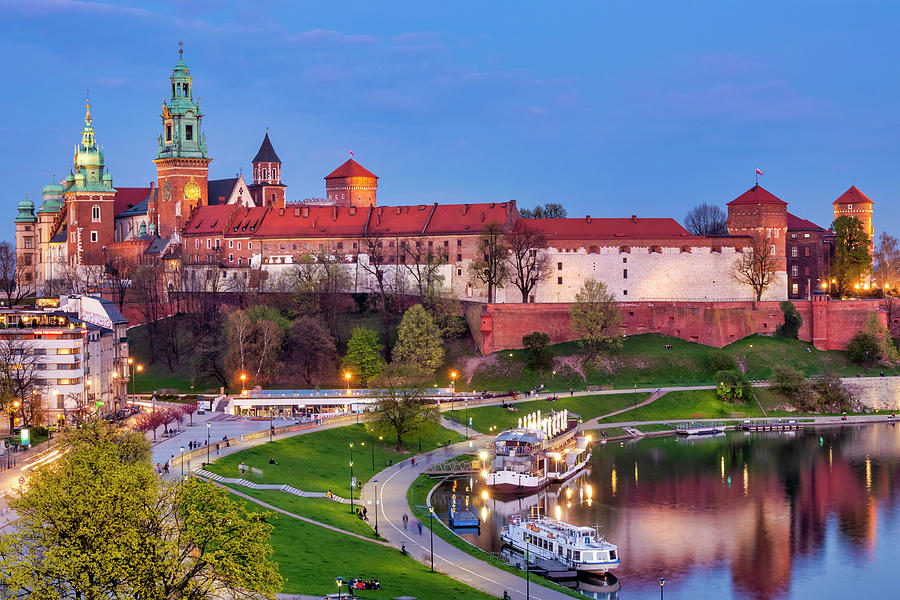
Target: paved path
<point>393,484</point>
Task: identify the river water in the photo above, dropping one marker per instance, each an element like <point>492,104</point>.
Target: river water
<point>809,514</point>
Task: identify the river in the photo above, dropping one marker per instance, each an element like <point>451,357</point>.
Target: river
<point>809,514</point>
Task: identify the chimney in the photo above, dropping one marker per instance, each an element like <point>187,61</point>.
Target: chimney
<point>465,209</point>
<point>634,218</point>
<point>588,218</point>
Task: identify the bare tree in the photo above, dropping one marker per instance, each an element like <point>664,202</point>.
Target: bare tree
<point>21,385</point>
<point>706,219</point>
<point>373,258</point>
<point>527,260</point>
<point>550,210</point>
<point>423,262</point>
<point>13,276</point>
<point>887,262</point>
<point>119,271</point>
<point>490,266</point>
<point>756,266</point>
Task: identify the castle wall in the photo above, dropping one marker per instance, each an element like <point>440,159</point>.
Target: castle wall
<point>879,393</point>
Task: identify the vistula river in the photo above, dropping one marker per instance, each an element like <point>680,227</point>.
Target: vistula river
<point>807,514</point>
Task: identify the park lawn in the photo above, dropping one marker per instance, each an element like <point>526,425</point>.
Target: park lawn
<point>586,407</point>
<point>310,557</point>
<point>318,509</point>
<point>654,427</point>
<point>320,461</point>
<point>689,404</point>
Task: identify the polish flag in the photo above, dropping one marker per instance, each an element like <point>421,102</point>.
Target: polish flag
<point>758,172</point>
<point>351,156</point>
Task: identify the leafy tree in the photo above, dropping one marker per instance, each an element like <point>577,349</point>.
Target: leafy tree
<point>363,359</point>
<point>490,266</point>
<point>873,342</point>
<point>731,385</point>
<point>538,354</point>
<point>99,524</point>
<point>402,407</point>
<point>792,321</point>
<point>706,219</point>
<point>446,311</point>
<point>720,361</point>
<point>595,317</point>
<point>207,361</point>
<point>851,260</point>
<point>265,312</point>
<point>887,263</point>
<point>756,266</point>
<point>419,341</point>
<point>528,264</point>
<point>550,210</point>
<point>311,347</point>
<point>862,348</point>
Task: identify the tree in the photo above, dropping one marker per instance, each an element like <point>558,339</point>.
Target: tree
<point>550,210</point>
<point>490,266</point>
<point>887,263</point>
<point>731,385</point>
<point>423,263</point>
<point>792,321</point>
<point>363,359</point>
<point>528,263</point>
<point>873,342</point>
<point>419,341</point>
<point>538,355</point>
<point>851,260</point>
<point>595,317</point>
<point>374,259</point>
<point>12,275</point>
<point>119,270</point>
<point>99,524</point>
<point>756,266</point>
<point>706,219</point>
<point>22,381</point>
<point>312,348</point>
<point>402,406</point>
<point>238,335</point>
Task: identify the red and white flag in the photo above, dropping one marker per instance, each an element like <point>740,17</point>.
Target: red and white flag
<point>351,156</point>
<point>758,172</point>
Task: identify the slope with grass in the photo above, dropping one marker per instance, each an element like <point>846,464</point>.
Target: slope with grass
<point>689,404</point>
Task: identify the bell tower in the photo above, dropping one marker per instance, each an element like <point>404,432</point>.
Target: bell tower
<point>267,189</point>
<point>182,161</point>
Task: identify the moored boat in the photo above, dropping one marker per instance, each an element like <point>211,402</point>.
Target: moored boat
<point>578,548</point>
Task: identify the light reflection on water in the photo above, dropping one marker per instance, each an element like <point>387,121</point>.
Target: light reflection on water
<point>811,514</point>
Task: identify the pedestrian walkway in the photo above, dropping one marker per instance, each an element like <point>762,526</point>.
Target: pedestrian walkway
<point>454,562</point>
<point>269,486</point>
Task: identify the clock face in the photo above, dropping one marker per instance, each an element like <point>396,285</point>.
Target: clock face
<point>191,190</point>
<point>167,191</point>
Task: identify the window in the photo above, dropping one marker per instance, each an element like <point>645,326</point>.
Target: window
<point>624,273</point>
<point>208,243</point>
<point>94,236</point>
<point>795,289</point>
<point>794,252</point>
<point>239,245</point>
<point>624,292</point>
<point>772,251</point>
<point>231,258</point>
<point>806,235</point>
<point>168,133</point>
<point>559,281</point>
<point>217,243</point>
<point>806,251</point>
<point>446,243</point>
<point>459,258</point>
<point>95,213</point>
<point>806,270</point>
<point>27,243</point>
<point>196,244</point>
<point>60,401</point>
<point>459,272</point>
<point>794,271</point>
<point>559,266</point>
<point>188,132</point>
<point>249,245</point>
<point>624,260</point>
<point>340,245</point>
<point>849,207</point>
<point>458,243</point>
<point>65,351</point>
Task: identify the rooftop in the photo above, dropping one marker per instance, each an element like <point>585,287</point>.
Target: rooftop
<point>757,195</point>
<point>853,196</point>
<point>351,168</point>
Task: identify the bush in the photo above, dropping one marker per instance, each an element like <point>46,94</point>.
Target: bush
<point>863,348</point>
<point>834,397</point>
<point>538,355</point>
<point>720,361</point>
<point>792,321</point>
<point>787,380</point>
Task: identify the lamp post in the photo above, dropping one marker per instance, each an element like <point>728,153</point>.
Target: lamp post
<point>207,443</point>
<point>351,477</point>
<point>662,582</point>
<point>182,463</point>
<point>131,372</point>
<point>467,419</point>
<point>375,481</point>
<point>339,581</point>
<point>139,368</point>
<point>243,383</point>
<point>453,375</point>
<point>347,377</point>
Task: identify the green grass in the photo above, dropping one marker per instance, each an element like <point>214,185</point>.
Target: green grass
<point>654,427</point>
<point>298,550</point>
<point>319,461</point>
<point>690,404</point>
<point>317,509</point>
<point>587,407</point>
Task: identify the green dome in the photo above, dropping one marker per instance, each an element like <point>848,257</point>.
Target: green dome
<point>26,211</point>
<point>26,204</point>
<point>53,189</point>
<point>70,178</point>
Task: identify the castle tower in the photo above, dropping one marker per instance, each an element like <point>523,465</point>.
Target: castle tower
<point>182,161</point>
<point>853,203</point>
<point>54,198</point>
<point>89,201</point>
<point>26,246</point>
<point>267,189</point>
<point>351,184</point>
<point>759,212</point>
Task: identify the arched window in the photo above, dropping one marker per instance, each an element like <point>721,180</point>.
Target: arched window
<point>95,213</point>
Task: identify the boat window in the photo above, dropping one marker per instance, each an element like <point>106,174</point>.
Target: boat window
<point>576,555</point>
<point>612,555</point>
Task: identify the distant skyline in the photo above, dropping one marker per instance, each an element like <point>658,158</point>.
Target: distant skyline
<point>610,109</point>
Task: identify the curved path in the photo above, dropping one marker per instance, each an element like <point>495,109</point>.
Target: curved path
<point>393,484</point>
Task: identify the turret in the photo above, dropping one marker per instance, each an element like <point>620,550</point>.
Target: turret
<point>267,189</point>
<point>26,244</point>
<point>351,184</point>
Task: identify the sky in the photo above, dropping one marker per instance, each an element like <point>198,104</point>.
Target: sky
<point>610,108</point>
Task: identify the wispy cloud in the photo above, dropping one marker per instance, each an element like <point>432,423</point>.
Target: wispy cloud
<point>73,5</point>
<point>328,36</point>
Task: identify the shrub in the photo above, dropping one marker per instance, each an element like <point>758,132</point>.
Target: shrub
<point>720,361</point>
<point>863,348</point>
<point>787,380</point>
<point>538,355</point>
<point>792,321</point>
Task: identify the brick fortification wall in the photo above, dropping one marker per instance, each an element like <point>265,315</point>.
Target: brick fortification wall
<point>880,393</point>
<point>502,326</point>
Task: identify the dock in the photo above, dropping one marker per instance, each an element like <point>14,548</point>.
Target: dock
<point>772,426</point>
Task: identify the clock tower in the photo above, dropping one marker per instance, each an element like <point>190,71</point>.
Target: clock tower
<point>182,161</point>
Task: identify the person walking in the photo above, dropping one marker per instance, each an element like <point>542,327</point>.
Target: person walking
<point>419,526</point>
<point>405,520</point>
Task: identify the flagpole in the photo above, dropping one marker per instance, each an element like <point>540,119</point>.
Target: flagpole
<point>757,177</point>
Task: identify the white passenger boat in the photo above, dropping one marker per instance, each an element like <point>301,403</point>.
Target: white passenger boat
<point>579,548</point>
<point>540,451</point>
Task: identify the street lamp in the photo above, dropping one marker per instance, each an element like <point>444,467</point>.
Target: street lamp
<point>662,582</point>
<point>207,443</point>
<point>467,419</point>
<point>375,481</point>
<point>348,376</point>
<point>139,368</point>
<point>243,383</point>
<point>351,477</point>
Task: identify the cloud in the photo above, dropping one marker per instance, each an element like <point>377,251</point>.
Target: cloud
<point>328,36</point>
<point>76,5</point>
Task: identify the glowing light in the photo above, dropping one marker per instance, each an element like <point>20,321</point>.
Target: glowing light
<point>484,495</point>
<point>868,474</point>
<point>482,455</point>
<point>558,513</point>
<point>824,285</point>
<point>746,480</point>
<point>568,493</point>
<point>613,481</point>
<point>484,513</point>
<point>635,474</point>
<point>722,467</point>
<point>589,491</point>
<point>484,473</point>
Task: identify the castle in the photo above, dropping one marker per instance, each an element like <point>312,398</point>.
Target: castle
<point>227,232</point>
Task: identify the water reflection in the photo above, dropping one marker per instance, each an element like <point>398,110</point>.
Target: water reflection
<point>764,515</point>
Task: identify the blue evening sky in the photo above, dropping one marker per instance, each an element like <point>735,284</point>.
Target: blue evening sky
<point>611,108</point>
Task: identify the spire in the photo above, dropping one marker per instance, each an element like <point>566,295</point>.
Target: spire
<point>266,152</point>
<point>87,114</point>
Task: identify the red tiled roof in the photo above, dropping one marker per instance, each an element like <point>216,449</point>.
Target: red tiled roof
<point>313,221</point>
<point>757,195</point>
<point>351,168</point>
<point>126,197</point>
<point>209,220</point>
<point>246,221</point>
<point>795,222</point>
<point>591,228</point>
<point>853,196</point>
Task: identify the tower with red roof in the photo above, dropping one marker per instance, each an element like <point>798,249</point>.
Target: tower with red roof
<point>853,203</point>
<point>351,184</point>
<point>759,212</point>
<point>267,189</point>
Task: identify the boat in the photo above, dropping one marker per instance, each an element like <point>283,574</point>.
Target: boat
<point>540,451</point>
<point>578,548</point>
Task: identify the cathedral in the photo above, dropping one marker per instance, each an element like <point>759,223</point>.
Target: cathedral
<point>235,228</point>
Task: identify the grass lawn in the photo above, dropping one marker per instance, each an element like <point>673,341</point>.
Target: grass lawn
<point>654,427</point>
<point>319,461</point>
<point>691,404</point>
<point>298,550</point>
<point>587,407</point>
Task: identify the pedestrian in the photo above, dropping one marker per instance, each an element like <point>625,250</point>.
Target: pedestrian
<point>217,448</point>
<point>419,525</point>
<point>413,461</point>
<point>166,467</point>
<point>405,520</point>
<point>242,467</point>
<point>158,470</point>
<point>571,391</point>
